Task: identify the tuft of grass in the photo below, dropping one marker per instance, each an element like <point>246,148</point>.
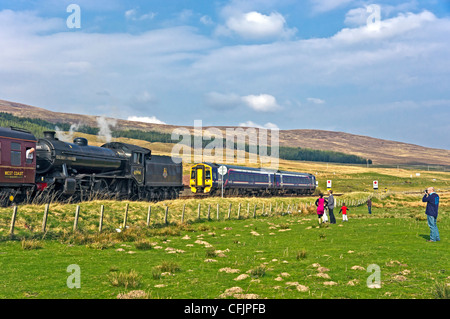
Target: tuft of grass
<point>258,271</point>
<point>125,279</point>
<point>169,266</point>
<point>441,291</point>
<point>143,244</point>
<point>31,244</point>
<point>156,273</point>
<point>211,252</point>
<point>301,254</point>
<point>165,267</point>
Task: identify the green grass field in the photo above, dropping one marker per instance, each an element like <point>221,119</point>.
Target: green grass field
<point>277,255</point>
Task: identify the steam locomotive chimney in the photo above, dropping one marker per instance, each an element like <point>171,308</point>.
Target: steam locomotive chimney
<point>50,135</point>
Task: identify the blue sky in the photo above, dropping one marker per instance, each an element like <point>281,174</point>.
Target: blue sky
<point>312,64</point>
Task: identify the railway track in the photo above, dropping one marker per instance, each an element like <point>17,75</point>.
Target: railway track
<point>187,194</point>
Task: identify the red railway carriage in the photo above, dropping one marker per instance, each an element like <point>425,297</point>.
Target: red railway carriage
<point>17,163</point>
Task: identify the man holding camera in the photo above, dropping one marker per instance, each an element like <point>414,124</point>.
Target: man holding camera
<point>432,200</point>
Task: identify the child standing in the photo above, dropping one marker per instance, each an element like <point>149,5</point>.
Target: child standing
<point>320,203</point>
<point>344,210</point>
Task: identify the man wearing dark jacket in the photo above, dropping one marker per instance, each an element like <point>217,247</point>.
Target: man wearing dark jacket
<point>331,207</point>
<point>432,200</point>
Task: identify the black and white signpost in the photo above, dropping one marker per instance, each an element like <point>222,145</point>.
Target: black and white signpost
<point>222,171</point>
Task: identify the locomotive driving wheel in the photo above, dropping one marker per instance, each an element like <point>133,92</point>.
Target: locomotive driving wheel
<point>100,188</point>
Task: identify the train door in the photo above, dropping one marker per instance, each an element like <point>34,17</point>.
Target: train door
<point>200,180</point>
<point>277,180</point>
<point>137,167</point>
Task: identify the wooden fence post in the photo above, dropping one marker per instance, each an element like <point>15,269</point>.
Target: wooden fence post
<point>248,210</point>
<point>77,214</point>
<point>13,220</point>
<point>198,217</point>
<point>239,212</point>
<point>217,211</point>
<point>166,215</point>
<point>182,213</point>
<point>148,214</point>
<point>229,211</point>
<point>125,216</point>
<point>209,211</point>
<point>262,213</point>
<point>44,221</point>
<point>254,212</point>
<point>100,225</point>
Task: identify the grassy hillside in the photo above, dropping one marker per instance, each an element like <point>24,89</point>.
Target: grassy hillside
<point>378,150</point>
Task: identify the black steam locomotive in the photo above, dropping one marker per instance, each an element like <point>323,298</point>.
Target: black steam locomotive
<point>114,169</point>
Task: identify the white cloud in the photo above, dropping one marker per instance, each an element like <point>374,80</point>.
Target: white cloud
<point>315,100</point>
<point>145,119</point>
<point>28,22</point>
<point>356,17</point>
<point>255,26</point>
<point>389,28</point>
<point>206,20</point>
<point>268,125</point>
<point>133,15</point>
<point>261,103</point>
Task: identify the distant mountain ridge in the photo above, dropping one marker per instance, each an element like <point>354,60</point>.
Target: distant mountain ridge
<point>380,151</point>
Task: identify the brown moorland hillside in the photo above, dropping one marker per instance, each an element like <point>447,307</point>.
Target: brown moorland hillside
<point>378,150</point>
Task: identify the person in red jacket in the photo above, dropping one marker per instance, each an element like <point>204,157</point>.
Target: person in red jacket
<point>344,210</point>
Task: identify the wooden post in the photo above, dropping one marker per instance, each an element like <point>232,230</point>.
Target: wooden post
<point>198,217</point>
<point>44,221</point>
<point>217,211</point>
<point>77,214</point>
<point>254,212</point>
<point>148,214</point>
<point>125,216</point>
<point>229,211</point>
<point>270,208</point>
<point>13,220</point>
<point>100,225</point>
<point>182,213</point>
<point>209,211</point>
<point>248,210</point>
<point>239,212</point>
<point>263,210</point>
<point>166,215</point>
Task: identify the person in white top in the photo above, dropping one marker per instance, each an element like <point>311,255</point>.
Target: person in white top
<point>29,154</point>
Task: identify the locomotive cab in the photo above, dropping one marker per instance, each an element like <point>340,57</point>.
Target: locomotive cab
<point>201,178</point>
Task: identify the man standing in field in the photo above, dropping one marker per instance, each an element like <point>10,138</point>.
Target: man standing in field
<point>432,200</point>
<point>331,207</point>
<point>369,205</point>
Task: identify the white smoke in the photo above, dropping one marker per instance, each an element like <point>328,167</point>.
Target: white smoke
<point>66,137</point>
<point>105,126</point>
